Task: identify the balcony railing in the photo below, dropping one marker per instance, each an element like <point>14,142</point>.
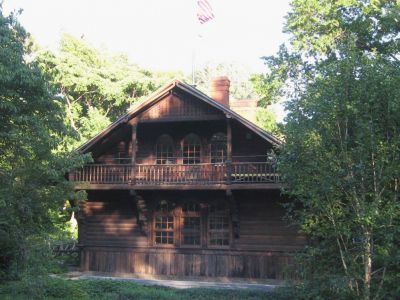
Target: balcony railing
<point>175,174</point>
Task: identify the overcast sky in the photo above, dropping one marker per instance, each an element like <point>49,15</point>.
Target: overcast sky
<point>161,34</point>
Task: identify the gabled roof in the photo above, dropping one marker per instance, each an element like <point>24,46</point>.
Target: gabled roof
<point>160,93</point>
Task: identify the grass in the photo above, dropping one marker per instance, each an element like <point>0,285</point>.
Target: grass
<point>58,288</point>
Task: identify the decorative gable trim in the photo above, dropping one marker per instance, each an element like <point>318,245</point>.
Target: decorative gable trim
<point>164,92</point>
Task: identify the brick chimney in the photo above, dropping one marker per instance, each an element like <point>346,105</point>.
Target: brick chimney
<point>247,108</point>
<point>220,90</point>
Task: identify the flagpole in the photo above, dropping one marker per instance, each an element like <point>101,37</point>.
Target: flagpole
<point>204,13</point>
<point>194,63</point>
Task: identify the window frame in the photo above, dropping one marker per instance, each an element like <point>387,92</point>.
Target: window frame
<point>228,230</point>
<point>198,159</point>
<point>205,215</point>
<point>161,213</point>
<point>216,141</point>
<point>191,214</point>
<point>167,141</point>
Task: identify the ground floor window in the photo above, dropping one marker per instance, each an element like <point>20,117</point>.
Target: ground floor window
<point>218,225</point>
<point>164,230</point>
<point>192,224</point>
<point>163,224</point>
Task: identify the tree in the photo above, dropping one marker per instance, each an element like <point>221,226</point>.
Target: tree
<point>241,87</point>
<point>33,188</point>
<point>266,119</point>
<point>94,87</point>
<point>341,158</point>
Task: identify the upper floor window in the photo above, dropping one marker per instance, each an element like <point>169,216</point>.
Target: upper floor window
<point>191,149</point>
<point>218,148</point>
<point>164,150</point>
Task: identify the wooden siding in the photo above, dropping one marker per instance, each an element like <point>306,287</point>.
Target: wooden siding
<point>179,108</point>
<point>271,265</point>
<point>112,240</point>
<point>110,218</point>
<point>262,225</point>
<point>246,145</point>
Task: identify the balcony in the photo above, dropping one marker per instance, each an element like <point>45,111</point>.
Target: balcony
<point>206,175</point>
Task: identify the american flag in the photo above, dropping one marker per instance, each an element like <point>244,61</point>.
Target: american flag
<point>204,11</point>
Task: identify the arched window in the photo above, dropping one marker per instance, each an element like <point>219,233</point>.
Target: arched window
<point>218,148</point>
<point>191,149</point>
<point>163,224</point>
<point>164,150</point>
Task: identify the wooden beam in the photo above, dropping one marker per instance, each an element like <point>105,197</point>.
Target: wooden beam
<point>121,186</point>
<point>183,119</point>
<point>134,149</point>
<point>228,149</point>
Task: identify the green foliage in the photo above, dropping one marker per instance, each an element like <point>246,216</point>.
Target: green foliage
<point>272,85</point>
<point>320,27</point>
<point>94,87</point>
<point>33,187</point>
<point>57,288</point>
<point>239,76</point>
<point>266,119</point>
<point>341,159</point>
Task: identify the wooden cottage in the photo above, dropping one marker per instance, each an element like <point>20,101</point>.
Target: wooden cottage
<point>182,185</point>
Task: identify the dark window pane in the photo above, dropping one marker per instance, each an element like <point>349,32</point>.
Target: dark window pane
<point>164,150</point>
<point>191,207</point>
<point>191,149</point>
<point>219,231</point>
<point>218,148</point>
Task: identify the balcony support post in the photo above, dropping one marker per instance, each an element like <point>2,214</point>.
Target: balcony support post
<point>134,149</point>
<point>228,149</point>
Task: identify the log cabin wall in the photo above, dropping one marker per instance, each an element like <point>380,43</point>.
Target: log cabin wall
<point>246,145</point>
<point>113,240</point>
<point>179,107</point>
<point>149,133</point>
<point>234,230</point>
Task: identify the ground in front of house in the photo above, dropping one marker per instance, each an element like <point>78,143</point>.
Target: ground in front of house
<point>89,286</point>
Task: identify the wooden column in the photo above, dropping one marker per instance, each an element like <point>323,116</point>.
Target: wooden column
<point>228,149</point>
<point>133,157</point>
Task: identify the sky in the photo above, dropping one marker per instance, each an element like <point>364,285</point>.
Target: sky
<point>161,34</point>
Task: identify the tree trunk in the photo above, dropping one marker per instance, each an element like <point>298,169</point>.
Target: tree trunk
<point>367,263</point>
